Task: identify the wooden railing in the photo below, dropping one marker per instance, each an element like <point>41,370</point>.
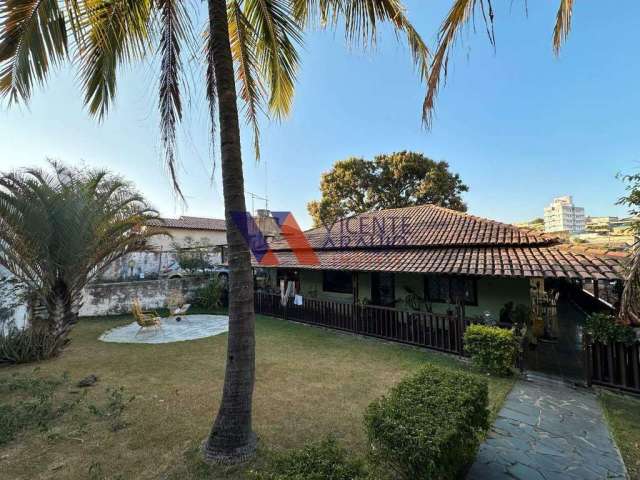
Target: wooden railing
<point>429,330</point>
<point>614,365</point>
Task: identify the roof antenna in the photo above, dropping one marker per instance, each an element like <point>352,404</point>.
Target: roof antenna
<point>253,199</point>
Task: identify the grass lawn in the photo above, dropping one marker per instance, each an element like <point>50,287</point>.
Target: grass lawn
<point>310,382</point>
<point>623,416</point>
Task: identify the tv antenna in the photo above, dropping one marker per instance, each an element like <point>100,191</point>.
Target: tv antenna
<point>255,197</point>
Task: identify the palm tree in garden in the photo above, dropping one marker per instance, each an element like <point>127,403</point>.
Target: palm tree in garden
<point>59,229</point>
<point>251,45</point>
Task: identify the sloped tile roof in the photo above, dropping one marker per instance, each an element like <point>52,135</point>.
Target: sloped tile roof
<point>419,226</point>
<point>548,262</point>
<point>192,223</point>
<point>438,240</point>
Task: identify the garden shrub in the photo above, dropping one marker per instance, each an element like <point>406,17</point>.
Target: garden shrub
<point>24,345</point>
<point>493,349</point>
<point>212,296</point>
<point>604,329</point>
<point>429,425</point>
<point>325,460</point>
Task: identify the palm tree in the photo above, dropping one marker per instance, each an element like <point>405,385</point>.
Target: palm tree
<point>59,229</point>
<point>249,44</point>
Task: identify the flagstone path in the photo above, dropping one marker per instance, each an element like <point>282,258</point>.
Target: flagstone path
<point>547,430</point>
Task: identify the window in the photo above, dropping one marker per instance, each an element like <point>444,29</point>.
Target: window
<point>449,289</point>
<point>337,281</point>
<point>383,289</point>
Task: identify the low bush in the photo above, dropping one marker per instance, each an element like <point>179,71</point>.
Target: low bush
<point>429,425</point>
<point>24,345</point>
<point>325,460</point>
<point>492,349</point>
<point>212,296</point>
<point>604,329</point>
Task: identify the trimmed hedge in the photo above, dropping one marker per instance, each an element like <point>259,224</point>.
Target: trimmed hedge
<point>493,349</point>
<point>429,425</point>
<point>325,460</point>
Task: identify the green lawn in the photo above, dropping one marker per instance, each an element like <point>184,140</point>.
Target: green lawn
<point>623,416</point>
<point>310,382</point>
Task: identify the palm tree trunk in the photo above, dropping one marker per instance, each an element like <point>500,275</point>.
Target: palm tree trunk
<point>232,438</point>
<point>61,315</point>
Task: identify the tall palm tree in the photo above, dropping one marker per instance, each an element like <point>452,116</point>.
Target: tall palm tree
<point>251,45</point>
<point>59,229</point>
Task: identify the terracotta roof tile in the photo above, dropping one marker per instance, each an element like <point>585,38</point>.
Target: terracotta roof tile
<point>438,240</point>
<point>192,223</point>
<point>493,261</point>
<point>423,225</point>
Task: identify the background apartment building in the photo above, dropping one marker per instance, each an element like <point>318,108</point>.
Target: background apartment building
<point>563,216</point>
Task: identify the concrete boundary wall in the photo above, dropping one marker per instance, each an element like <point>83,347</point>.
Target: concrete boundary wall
<point>100,299</point>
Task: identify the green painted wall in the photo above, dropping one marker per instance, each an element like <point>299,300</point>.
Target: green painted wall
<point>493,292</point>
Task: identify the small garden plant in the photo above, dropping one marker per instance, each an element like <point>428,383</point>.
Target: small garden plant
<point>324,460</point>
<point>492,349</point>
<point>604,329</point>
<point>429,425</point>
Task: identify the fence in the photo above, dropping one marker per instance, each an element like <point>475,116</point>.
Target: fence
<point>429,330</point>
<point>614,365</point>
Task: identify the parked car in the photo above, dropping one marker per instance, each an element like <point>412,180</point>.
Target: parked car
<point>221,272</point>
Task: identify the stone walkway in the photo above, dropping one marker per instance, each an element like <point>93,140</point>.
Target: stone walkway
<point>548,431</point>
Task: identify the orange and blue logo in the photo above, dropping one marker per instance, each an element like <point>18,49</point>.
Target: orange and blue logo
<point>290,231</point>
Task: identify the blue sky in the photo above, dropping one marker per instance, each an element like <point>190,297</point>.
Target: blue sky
<point>519,125</point>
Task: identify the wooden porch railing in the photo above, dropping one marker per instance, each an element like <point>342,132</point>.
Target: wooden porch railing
<point>428,330</point>
<point>615,365</point>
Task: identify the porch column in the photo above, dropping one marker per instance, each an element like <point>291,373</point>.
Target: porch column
<point>355,289</point>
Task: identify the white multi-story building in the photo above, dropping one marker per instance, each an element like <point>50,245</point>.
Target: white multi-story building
<point>563,216</point>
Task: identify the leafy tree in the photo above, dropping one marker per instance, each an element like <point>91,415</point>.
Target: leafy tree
<point>250,50</point>
<point>193,256</point>
<point>58,229</point>
<point>400,179</point>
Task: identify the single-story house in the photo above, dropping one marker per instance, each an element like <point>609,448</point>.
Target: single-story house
<point>392,256</point>
<point>432,259</point>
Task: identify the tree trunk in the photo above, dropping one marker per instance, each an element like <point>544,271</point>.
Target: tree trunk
<point>62,314</point>
<point>232,438</point>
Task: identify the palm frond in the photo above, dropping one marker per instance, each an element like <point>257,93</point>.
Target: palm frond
<point>174,26</point>
<point>113,32</point>
<point>563,24</point>
<point>278,35</point>
<point>360,19</point>
<point>460,14</point>
<point>210,89</point>
<point>33,38</point>
<point>67,224</point>
<point>243,41</point>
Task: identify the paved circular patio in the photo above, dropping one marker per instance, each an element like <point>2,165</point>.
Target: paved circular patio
<point>190,327</point>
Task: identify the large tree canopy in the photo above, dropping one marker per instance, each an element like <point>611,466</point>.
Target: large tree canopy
<point>400,179</point>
